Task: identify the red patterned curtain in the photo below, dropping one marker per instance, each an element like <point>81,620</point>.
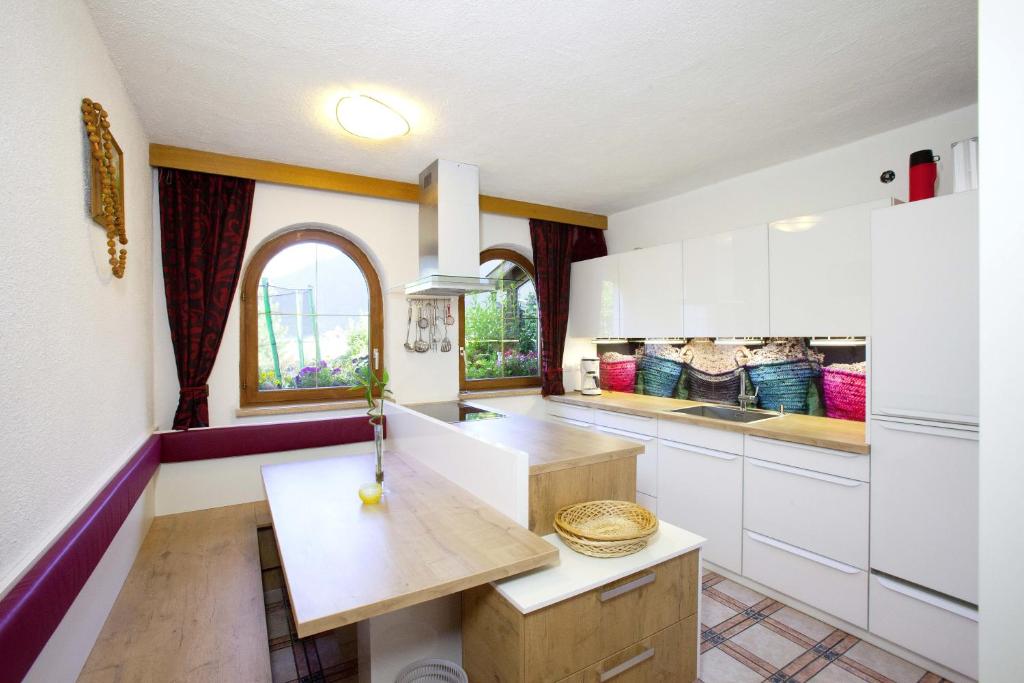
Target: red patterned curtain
<point>204,222</point>
<point>555,247</point>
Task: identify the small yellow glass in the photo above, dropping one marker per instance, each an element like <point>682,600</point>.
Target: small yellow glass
<point>371,493</point>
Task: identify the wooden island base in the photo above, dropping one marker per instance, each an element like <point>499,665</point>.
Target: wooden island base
<point>642,627</point>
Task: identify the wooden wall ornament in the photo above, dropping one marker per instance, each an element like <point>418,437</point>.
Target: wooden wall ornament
<point>107,182</point>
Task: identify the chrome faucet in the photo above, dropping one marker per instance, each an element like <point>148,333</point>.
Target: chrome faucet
<point>746,400</point>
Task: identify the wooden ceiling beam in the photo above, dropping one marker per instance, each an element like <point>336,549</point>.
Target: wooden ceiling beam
<point>166,156</point>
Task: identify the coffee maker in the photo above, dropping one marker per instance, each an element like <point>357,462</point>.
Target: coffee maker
<point>590,377</point>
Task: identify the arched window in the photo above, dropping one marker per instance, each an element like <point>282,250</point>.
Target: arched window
<point>499,331</point>
<point>312,315</point>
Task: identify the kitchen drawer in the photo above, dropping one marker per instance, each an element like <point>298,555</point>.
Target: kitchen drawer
<point>570,411</point>
<point>838,463</point>
<point>705,437</point>
<point>649,502</point>
<point>924,506</point>
<point>925,623</point>
<point>818,512</point>
<point>576,633</point>
<point>833,587</point>
<point>646,462</point>
<point>571,422</point>
<point>669,655</point>
<point>637,424</point>
<point>702,490</point>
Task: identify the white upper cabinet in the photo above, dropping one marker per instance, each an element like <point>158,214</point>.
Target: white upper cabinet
<point>594,298</point>
<point>725,284</point>
<point>651,291</point>
<point>924,344</point>
<point>820,268</point>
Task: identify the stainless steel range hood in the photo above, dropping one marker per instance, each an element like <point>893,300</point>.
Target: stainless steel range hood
<point>449,232</point>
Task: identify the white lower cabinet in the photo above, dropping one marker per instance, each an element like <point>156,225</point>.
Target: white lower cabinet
<point>924,506</point>
<point>834,587</point>
<point>941,629</point>
<point>568,421</point>
<point>646,462</point>
<point>570,411</point>
<point>701,490</point>
<point>819,512</point>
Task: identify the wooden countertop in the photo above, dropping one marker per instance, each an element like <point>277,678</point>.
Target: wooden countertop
<point>823,432</point>
<point>344,562</point>
<point>551,446</point>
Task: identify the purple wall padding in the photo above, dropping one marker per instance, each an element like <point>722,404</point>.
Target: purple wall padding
<point>227,442</point>
<point>33,609</point>
<point>35,606</point>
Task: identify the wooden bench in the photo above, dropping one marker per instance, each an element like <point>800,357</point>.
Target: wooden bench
<point>192,606</point>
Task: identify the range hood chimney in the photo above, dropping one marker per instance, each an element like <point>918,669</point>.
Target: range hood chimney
<point>449,231</point>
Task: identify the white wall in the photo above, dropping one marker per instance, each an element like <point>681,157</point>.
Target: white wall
<point>387,231</point>
<point>831,179</point>
<point>76,343</point>
<point>1001,101</point>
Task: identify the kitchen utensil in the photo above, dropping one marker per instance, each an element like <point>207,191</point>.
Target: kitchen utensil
<point>408,330</point>
<point>420,346</point>
<point>446,343</point>
<point>423,322</point>
<point>449,318</point>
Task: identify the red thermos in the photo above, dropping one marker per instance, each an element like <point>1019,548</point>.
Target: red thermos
<point>923,172</point>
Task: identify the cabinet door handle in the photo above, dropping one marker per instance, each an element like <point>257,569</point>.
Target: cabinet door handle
<point>926,597</point>
<point>626,665</point>
<point>800,552</point>
<point>932,417</point>
<point>627,587</point>
<point>644,418</point>
<point>620,432</point>
<point>697,449</point>
<point>577,423</point>
<point>849,483</point>
<point>804,447</point>
<point>952,432</point>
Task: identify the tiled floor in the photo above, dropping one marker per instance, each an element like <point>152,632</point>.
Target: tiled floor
<point>327,658</point>
<point>748,637</point>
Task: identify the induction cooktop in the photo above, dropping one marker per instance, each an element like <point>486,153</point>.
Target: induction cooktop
<point>455,411</point>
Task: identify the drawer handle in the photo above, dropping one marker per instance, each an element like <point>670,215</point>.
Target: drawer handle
<point>926,597</point>
<point>577,423</point>
<point>697,449</point>
<point>800,552</point>
<point>923,415</point>
<point>804,447</point>
<point>627,587</point>
<point>632,417</point>
<point>627,665</point>
<point>620,432</point>
<point>849,483</point>
<point>951,432</point>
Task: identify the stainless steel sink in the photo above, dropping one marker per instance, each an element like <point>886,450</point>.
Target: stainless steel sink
<point>727,413</point>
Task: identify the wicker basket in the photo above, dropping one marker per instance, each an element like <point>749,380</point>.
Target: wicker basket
<point>607,520</point>
<point>619,375</point>
<point>844,393</point>
<point>660,375</point>
<point>723,387</point>
<point>585,546</point>
<point>783,384</point>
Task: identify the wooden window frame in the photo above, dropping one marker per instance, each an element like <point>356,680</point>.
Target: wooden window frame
<point>249,360</point>
<point>500,382</point>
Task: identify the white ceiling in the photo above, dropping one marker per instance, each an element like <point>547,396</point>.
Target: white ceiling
<point>597,105</point>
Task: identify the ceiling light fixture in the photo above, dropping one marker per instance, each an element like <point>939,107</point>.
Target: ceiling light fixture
<point>367,117</point>
<point>838,341</point>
